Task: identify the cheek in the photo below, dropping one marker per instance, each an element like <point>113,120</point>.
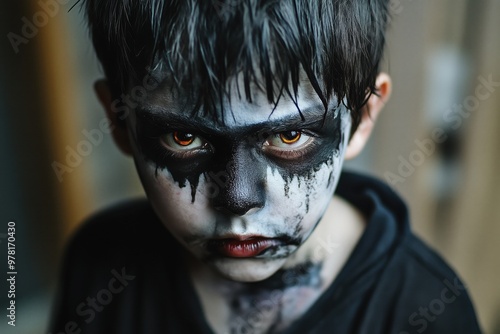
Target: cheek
<point>302,200</point>
<point>173,204</point>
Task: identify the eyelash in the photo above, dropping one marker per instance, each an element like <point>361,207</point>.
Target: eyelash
<point>285,154</point>
<point>151,144</point>
<point>181,154</point>
<point>292,154</point>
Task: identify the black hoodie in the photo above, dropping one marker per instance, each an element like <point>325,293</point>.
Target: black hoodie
<point>123,274</point>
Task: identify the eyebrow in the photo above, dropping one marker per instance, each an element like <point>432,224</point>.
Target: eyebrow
<point>314,117</point>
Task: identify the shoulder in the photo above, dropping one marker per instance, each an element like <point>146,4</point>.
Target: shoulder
<point>118,235</point>
<point>414,290</point>
<point>114,255</point>
<point>119,218</point>
<point>427,294</point>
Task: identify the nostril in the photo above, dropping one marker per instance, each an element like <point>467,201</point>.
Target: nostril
<point>253,210</point>
<point>240,208</point>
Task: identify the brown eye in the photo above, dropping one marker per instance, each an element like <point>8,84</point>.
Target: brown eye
<point>288,144</point>
<point>183,141</point>
<point>183,138</point>
<point>290,137</point>
<point>287,140</point>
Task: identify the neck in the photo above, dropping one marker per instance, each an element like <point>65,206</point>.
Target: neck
<point>274,303</point>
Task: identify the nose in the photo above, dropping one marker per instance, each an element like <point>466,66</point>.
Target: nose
<point>239,208</point>
<point>244,189</point>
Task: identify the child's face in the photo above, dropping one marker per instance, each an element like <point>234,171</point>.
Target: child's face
<point>241,195</point>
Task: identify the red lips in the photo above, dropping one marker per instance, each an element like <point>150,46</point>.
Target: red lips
<point>242,247</point>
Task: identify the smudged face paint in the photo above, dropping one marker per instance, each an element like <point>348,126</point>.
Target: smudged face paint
<point>243,192</point>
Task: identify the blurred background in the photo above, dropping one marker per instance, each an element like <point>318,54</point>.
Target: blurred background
<point>443,56</point>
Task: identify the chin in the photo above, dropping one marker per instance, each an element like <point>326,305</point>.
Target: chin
<point>247,270</point>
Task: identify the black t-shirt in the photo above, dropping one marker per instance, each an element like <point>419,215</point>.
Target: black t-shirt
<point>123,273</point>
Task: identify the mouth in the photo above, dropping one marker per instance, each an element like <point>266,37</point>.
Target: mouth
<point>244,246</point>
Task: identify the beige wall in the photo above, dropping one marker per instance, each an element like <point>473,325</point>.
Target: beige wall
<point>436,52</point>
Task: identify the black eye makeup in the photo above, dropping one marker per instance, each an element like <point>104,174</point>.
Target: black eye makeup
<point>183,144</point>
<point>172,145</point>
<point>173,140</point>
<point>290,145</point>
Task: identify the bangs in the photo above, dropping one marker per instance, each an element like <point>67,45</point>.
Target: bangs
<point>203,44</point>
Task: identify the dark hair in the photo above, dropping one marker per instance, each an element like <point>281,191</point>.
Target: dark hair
<point>203,43</point>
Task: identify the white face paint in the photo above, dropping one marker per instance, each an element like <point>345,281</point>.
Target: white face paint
<point>240,200</point>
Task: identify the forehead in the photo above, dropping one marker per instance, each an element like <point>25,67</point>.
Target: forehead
<point>236,109</point>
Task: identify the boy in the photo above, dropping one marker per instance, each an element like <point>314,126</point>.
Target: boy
<point>238,115</point>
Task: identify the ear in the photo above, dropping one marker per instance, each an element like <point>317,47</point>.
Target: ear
<point>118,126</point>
<point>369,115</point>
